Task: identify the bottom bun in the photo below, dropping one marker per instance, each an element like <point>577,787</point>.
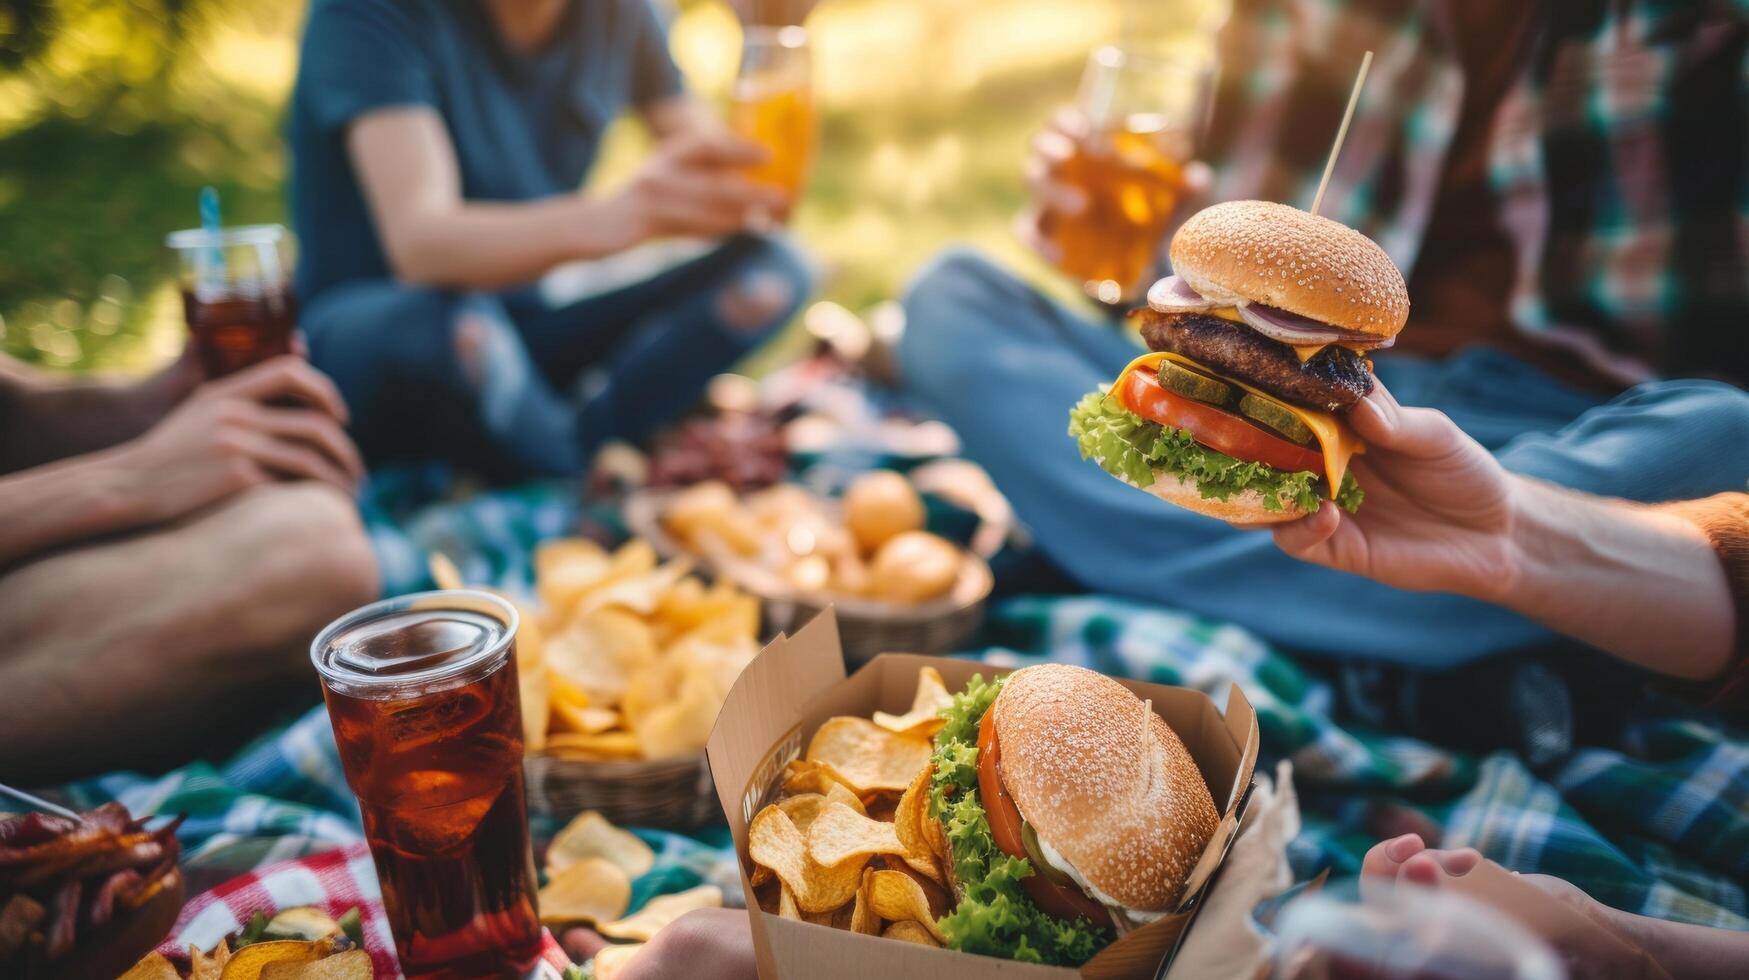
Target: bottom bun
<point>1242,508</point>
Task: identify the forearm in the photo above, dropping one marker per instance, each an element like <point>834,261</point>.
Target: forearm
<point>58,419</point>
<point>1685,950</point>
<point>492,245</point>
<point>64,502</point>
<point>1639,584</point>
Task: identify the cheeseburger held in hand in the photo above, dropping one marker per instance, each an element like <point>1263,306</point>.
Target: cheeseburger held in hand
<point>1071,812</point>
<point>1258,348</point>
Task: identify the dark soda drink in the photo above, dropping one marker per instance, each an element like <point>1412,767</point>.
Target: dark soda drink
<point>239,325</point>
<point>236,294</point>
<point>423,697</point>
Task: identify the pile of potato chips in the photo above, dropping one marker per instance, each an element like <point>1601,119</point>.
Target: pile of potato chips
<point>625,658</point>
<point>332,957</point>
<point>850,843</point>
<point>590,866</point>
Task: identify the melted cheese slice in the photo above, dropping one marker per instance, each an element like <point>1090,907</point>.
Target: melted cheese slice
<point>1336,440</point>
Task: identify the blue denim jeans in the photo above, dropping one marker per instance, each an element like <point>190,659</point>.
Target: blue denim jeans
<point>1003,365</point>
<point>505,386</point>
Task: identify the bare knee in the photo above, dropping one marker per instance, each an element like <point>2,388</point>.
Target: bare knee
<point>311,561</point>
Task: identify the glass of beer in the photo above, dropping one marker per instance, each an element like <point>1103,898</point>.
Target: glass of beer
<point>236,294</point>
<point>1135,124</point>
<point>422,694</point>
<point>772,103</point>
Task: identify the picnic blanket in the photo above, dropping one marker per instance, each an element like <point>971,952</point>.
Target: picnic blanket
<point>1657,824</point>
<point>335,881</point>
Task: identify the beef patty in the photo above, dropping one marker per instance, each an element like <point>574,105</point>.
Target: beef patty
<point>1332,380</point>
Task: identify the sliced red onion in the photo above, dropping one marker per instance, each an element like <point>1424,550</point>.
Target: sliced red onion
<point>1303,331</point>
<point>1174,295</point>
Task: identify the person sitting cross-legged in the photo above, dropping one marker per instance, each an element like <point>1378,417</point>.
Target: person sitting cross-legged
<point>169,548</point>
<point>437,151</point>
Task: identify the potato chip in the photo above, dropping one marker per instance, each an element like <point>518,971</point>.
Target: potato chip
<point>924,719</point>
<point>248,962</point>
<point>578,659</point>
<point>802,809</point>
<point>683,725</point>
<point>638,593</point>
<point>208,966</point>
<point>786,904</point>
<point>863,919</point>
<point>662,910</point>
<point>895,896</point>
<point>802,776</point>
<point>589,835</point>
<point>909,818</point>
<point>774,841</point>
<point>593,889</point>
<point>152,966</point>
<point>611,961</point>
<point>351,965</point>
<point>838,793</point>
<point>568,717</point>
<point>721,611</point>
<point>910,931</point>
<point>602,745</point>
<point>565,569</point>
<point>940,902</point>
<point>839,834</point>
<point>867,756</point>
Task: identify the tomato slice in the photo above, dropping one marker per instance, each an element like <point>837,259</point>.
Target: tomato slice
<point>1216,428</point>
<point>999,807</point>
<point>1053,899</point>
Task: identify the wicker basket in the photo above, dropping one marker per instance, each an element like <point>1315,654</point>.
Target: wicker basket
<point>867,628</point>
<point>673,794</point>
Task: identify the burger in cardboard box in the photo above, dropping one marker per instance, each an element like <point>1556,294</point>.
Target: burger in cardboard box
<point>1050,819</point>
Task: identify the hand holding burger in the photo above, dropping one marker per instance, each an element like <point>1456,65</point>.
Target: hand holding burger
<point>1258,350</point>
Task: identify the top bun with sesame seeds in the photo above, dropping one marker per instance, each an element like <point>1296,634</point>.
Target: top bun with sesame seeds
<point>1128,814</point>
<point>1276,255</point>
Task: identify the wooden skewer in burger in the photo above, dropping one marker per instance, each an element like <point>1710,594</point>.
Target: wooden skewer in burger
<point>1258,347</point>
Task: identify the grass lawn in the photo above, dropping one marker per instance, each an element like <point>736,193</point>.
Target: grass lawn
<point>926,109</point>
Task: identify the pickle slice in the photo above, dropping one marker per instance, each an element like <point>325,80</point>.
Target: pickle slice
<point>1183,381</point>
<point>1275,417</point>
<point>1029,840</point>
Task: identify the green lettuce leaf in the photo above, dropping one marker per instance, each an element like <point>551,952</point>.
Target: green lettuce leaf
<point>994,917</point>
<point>1131,448</point>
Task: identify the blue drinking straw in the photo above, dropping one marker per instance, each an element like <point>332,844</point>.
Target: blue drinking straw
<point>212,262</point>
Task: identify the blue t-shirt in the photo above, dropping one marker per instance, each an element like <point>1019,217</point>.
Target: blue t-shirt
<point>525,125</point>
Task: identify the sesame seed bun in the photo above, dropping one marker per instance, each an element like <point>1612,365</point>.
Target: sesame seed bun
<point>1279,256</point>
<point>1131,815</point>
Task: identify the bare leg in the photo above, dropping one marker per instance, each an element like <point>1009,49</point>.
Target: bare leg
<point>131,652</point>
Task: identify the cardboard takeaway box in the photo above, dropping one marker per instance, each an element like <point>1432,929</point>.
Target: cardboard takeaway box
<point>798,682</point>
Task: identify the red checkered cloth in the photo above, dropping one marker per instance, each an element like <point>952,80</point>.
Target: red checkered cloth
<point>334,881</point>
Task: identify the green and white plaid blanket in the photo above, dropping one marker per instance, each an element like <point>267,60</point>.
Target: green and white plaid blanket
<point>1658,824</point>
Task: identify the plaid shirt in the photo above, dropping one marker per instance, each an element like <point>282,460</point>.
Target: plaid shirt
<point>1618,158</point>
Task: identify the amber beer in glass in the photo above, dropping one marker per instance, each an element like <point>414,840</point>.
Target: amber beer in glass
<point>772,104</point>
<point>236,294</point>
<point>422,694</point>
<point>1135,123</point>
